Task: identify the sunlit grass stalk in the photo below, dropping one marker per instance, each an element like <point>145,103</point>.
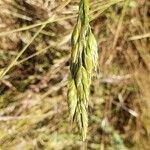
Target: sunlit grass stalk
<point>83,60</point>
<point>14,61</point>
<point>97,8</point>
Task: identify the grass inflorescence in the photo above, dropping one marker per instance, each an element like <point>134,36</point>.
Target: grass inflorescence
<point>83,60</point>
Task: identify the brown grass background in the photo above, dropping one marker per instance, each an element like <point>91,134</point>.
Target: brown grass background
<point>33,108</point>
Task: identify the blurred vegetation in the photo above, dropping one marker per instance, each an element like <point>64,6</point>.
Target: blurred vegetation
<point>34,68</point>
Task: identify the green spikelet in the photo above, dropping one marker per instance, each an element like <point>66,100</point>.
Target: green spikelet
<point>92,44</point>
<point>72,97</point>
<point>83,59</point>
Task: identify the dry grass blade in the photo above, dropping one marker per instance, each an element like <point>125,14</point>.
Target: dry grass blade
<point>138,37</point>
<point>51,20</point>
<point>99,9</point>
<point>120,23</point>
<point>21,52</point>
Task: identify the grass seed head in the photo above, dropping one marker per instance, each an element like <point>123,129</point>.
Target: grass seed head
<point>83,60</point>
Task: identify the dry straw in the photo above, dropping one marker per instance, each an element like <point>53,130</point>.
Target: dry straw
<point>83,60</point>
